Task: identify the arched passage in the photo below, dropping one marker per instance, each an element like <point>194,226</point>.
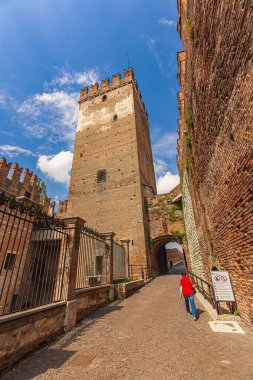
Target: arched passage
<point>162,259</point>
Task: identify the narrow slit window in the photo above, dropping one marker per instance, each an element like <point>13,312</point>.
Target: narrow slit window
<point>104,98</point>
<point>101,175</point>
<point>9,261</point>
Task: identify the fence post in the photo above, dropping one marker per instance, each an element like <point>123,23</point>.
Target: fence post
<point>74,226</point>
<point>109,236</point>
<point>125,243</point>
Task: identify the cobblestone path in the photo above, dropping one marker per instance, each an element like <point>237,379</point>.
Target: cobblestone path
<point>147,336</point>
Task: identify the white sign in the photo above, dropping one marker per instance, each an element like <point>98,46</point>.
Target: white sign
<point>222,286</point>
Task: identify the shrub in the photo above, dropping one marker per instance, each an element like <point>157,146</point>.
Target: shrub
<point>190,31</point>
<point>189,118</point>
<point>150,240</point>
<point>188,139</point>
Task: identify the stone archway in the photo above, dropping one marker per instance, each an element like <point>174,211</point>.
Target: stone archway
<point>159,259</point>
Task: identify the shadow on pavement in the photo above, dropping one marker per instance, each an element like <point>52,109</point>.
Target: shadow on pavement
<point>45,357</point>
<point>49,359</point>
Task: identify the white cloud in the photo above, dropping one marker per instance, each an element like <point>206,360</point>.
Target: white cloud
<point>160,167</point>
<point>171,245</point>
<point>51,114</point>
<point>167,182</point>
<point>160,48</point>
<point>56,167</point>
<point>2,101</point>
<point>81,78</point>
<point>165,145</point>
<point>167,22</point>
<point>14,151</point>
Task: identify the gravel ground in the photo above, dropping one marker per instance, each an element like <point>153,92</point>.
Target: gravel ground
<point>148,337</point>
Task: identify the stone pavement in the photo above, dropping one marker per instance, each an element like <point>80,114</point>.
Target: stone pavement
<point>148,337</point>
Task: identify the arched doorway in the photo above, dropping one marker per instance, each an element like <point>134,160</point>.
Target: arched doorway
<point>167,252</point>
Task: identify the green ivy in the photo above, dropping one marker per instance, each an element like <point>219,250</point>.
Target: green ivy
<point>188,139</point>
<point>189,118</point>
<point>181,235</point>
<point>190,30</point>
<point>150,240</point>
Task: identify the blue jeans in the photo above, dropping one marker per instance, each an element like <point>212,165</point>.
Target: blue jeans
<point>191,298</point>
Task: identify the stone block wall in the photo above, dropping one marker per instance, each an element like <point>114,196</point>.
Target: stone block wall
<point>88,300</point>
<point>128,288</point>
<point>215,144</point>
<point>22,332</point>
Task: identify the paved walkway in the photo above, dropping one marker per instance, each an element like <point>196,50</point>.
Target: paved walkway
<point>148,337</point>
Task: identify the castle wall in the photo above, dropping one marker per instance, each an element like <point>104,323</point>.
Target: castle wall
<point>16,228</point>
<point>11,182</point>
<point>107,145</point>
<point>216,136</point>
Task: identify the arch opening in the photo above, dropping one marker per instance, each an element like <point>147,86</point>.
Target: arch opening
<point>168,255</point>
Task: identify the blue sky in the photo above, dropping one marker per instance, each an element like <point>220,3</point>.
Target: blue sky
<point>50,49</point>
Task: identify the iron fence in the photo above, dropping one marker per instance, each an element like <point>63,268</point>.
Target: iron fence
<point>204,287</point>
<point>119,262</point>
<point>139,272</point>
<point>92,259</point>
<point>33,249</point>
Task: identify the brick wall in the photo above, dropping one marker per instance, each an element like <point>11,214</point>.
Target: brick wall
<point>10,181</point>
<point>215,144</point>
<point>112,139</point>
<point>165,216</point>
<point>166,224</point>
<point>174,255</point>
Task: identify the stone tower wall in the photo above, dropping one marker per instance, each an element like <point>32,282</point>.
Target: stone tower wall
<point>216,135</point>
<point>112,121</point>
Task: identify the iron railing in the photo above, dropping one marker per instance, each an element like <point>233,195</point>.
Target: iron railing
<point>37,260</point>
<point>32,256</point>
<point>119,262</point>
<point>92,259</point>
<point>137,272</point>
<point>204,287</point>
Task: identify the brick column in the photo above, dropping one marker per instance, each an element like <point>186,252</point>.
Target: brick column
<point>125,243</point>
<point>74,226</point>
<point>109,236</point>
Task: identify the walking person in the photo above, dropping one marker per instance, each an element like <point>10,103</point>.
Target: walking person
<point>187,290</point>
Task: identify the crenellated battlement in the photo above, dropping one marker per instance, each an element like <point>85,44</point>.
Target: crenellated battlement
<point>62,208</point>
<point>105,86</point>
<point>10,181</point>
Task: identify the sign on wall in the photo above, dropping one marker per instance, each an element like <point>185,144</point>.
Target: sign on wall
<point>222,287</point>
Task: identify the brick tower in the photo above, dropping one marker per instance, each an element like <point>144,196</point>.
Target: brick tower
<point>112,170</point>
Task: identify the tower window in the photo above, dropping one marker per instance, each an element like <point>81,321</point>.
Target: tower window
<point>10,261</point>
<point>115,117</point>
<point>101,175</point>
<point>27,194</point>
<point>104,98</point>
